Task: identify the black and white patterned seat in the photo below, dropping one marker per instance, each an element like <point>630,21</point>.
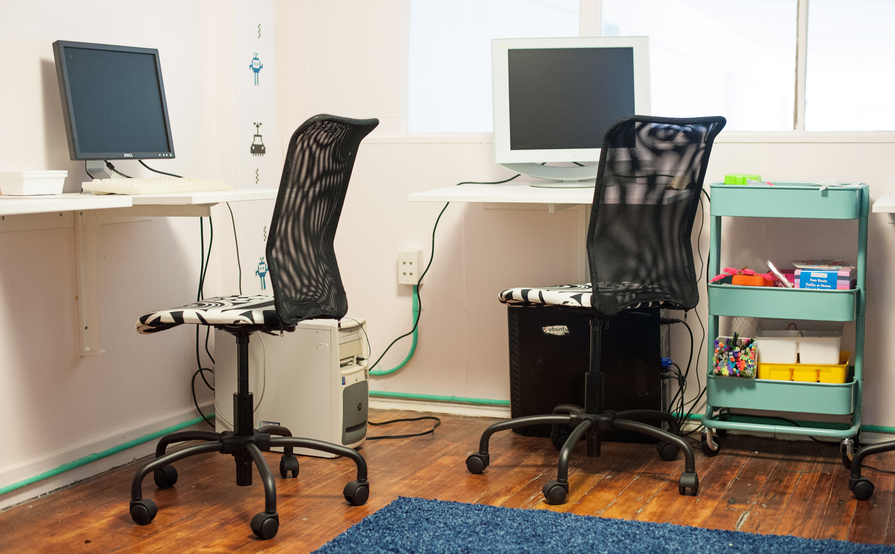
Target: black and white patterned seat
<point>576,296</point>
<point>219,311</point>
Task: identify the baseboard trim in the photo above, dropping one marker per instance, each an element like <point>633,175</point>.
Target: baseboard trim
<point>16,480</point>
<point>453,408</point>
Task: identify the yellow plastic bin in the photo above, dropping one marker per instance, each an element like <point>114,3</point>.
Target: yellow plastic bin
<point>775,372</point>
<point>809,373</point>
<point>834,373</point>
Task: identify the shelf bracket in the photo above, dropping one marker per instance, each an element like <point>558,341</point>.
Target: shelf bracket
<point>86,224</point>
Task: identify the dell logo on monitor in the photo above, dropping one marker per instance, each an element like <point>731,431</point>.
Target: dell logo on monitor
<point>127,155</point>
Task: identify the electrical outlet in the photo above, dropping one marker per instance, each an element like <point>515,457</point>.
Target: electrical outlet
<point>409,262</point>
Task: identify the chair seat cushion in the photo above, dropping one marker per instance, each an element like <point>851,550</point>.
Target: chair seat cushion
<point>223,310</point>
<point>573,296</point>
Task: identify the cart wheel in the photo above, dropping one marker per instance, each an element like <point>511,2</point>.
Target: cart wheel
<point>709,447</point>
<point>847,451</point>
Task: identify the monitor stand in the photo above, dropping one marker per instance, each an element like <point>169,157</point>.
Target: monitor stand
<point>563,184</point>
<point>97,169</point>
<point>576,176</point>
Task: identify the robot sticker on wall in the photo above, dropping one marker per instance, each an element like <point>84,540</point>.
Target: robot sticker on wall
<point>262,273</point>
<point>256,67</point>
<point>257,142</point>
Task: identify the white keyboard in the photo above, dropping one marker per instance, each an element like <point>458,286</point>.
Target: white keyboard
<point>152,185</point>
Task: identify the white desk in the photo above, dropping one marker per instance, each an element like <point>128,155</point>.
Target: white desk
<point>84,213</point>
<point>53,203</point>
<point>556,199</point>
<point>159,203</point>
<point>885,204</point>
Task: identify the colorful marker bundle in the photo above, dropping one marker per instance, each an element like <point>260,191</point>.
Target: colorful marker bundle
<point>735,357</point>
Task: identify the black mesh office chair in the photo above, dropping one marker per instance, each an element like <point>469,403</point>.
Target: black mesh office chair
<point>306,284</point>
<point>639,249</point>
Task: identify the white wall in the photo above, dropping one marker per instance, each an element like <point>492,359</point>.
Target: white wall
<point>356,70</point>
<point>342,57</point>
<point>56,405</point>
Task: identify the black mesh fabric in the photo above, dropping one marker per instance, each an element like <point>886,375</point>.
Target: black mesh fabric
<point>645,202</point>
<point>300,253</point>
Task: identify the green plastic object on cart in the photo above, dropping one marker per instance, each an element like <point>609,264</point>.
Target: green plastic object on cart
<point>740,178</point>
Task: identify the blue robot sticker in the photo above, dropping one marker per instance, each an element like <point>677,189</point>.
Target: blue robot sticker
<point>256,66</point>
<point>262,272</point>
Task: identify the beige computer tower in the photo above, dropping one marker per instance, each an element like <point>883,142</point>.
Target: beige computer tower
<point>313,381</point>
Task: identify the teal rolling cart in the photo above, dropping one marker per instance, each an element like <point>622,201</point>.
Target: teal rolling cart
<point>787,200</point>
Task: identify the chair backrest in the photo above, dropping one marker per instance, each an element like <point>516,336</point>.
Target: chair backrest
<point>646,197</point>
<point>301,257</point>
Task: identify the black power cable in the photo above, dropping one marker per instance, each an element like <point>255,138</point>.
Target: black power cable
<point>431,258</point>
<point>383,437</point>
<point>203,269</point>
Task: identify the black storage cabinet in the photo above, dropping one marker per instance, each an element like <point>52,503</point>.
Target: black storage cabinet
<point>549,355</point>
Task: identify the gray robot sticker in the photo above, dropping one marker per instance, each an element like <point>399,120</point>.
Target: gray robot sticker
<point>257,142</point>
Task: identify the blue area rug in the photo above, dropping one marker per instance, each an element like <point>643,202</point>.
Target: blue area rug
<point>415,525</point>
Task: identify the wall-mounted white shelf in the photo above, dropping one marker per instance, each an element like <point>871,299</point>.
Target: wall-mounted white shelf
<point>68,202</point>
<point>509,193</point>
<point>87,210</point>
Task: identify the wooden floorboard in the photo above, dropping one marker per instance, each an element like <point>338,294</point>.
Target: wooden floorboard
<point>759,485</point>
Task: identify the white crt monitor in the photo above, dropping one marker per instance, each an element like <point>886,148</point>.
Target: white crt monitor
<point>554,99</point>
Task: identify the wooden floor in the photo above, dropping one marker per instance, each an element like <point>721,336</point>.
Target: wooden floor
<point>756,485</point>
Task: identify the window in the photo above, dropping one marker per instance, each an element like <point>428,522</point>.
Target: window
<point>449,56</point>
<point>734,58</point>
<point>849,76</point>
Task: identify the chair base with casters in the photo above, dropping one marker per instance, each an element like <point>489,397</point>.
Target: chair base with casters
<point>244,443</point>
<point>571,423</point>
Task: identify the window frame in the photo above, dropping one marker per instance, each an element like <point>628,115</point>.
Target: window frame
<point>590,24</point>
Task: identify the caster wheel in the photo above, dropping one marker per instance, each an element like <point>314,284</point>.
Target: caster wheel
<point>165,477</point>
<point>143,511</point>
<point>667,451</point>
<point>862,488</point>
<point>709,447</point>
<point>559,440</point>
<point>476,463</point>
<point>288,464</point>
<point>357,492</point>
<point>266,525</point>
<point>688,484</point>
<point>555,492</point>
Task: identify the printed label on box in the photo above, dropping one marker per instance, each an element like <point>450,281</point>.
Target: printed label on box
<point>825,279</point>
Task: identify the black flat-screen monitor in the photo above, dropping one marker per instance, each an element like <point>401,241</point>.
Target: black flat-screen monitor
<point>113,99</point>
